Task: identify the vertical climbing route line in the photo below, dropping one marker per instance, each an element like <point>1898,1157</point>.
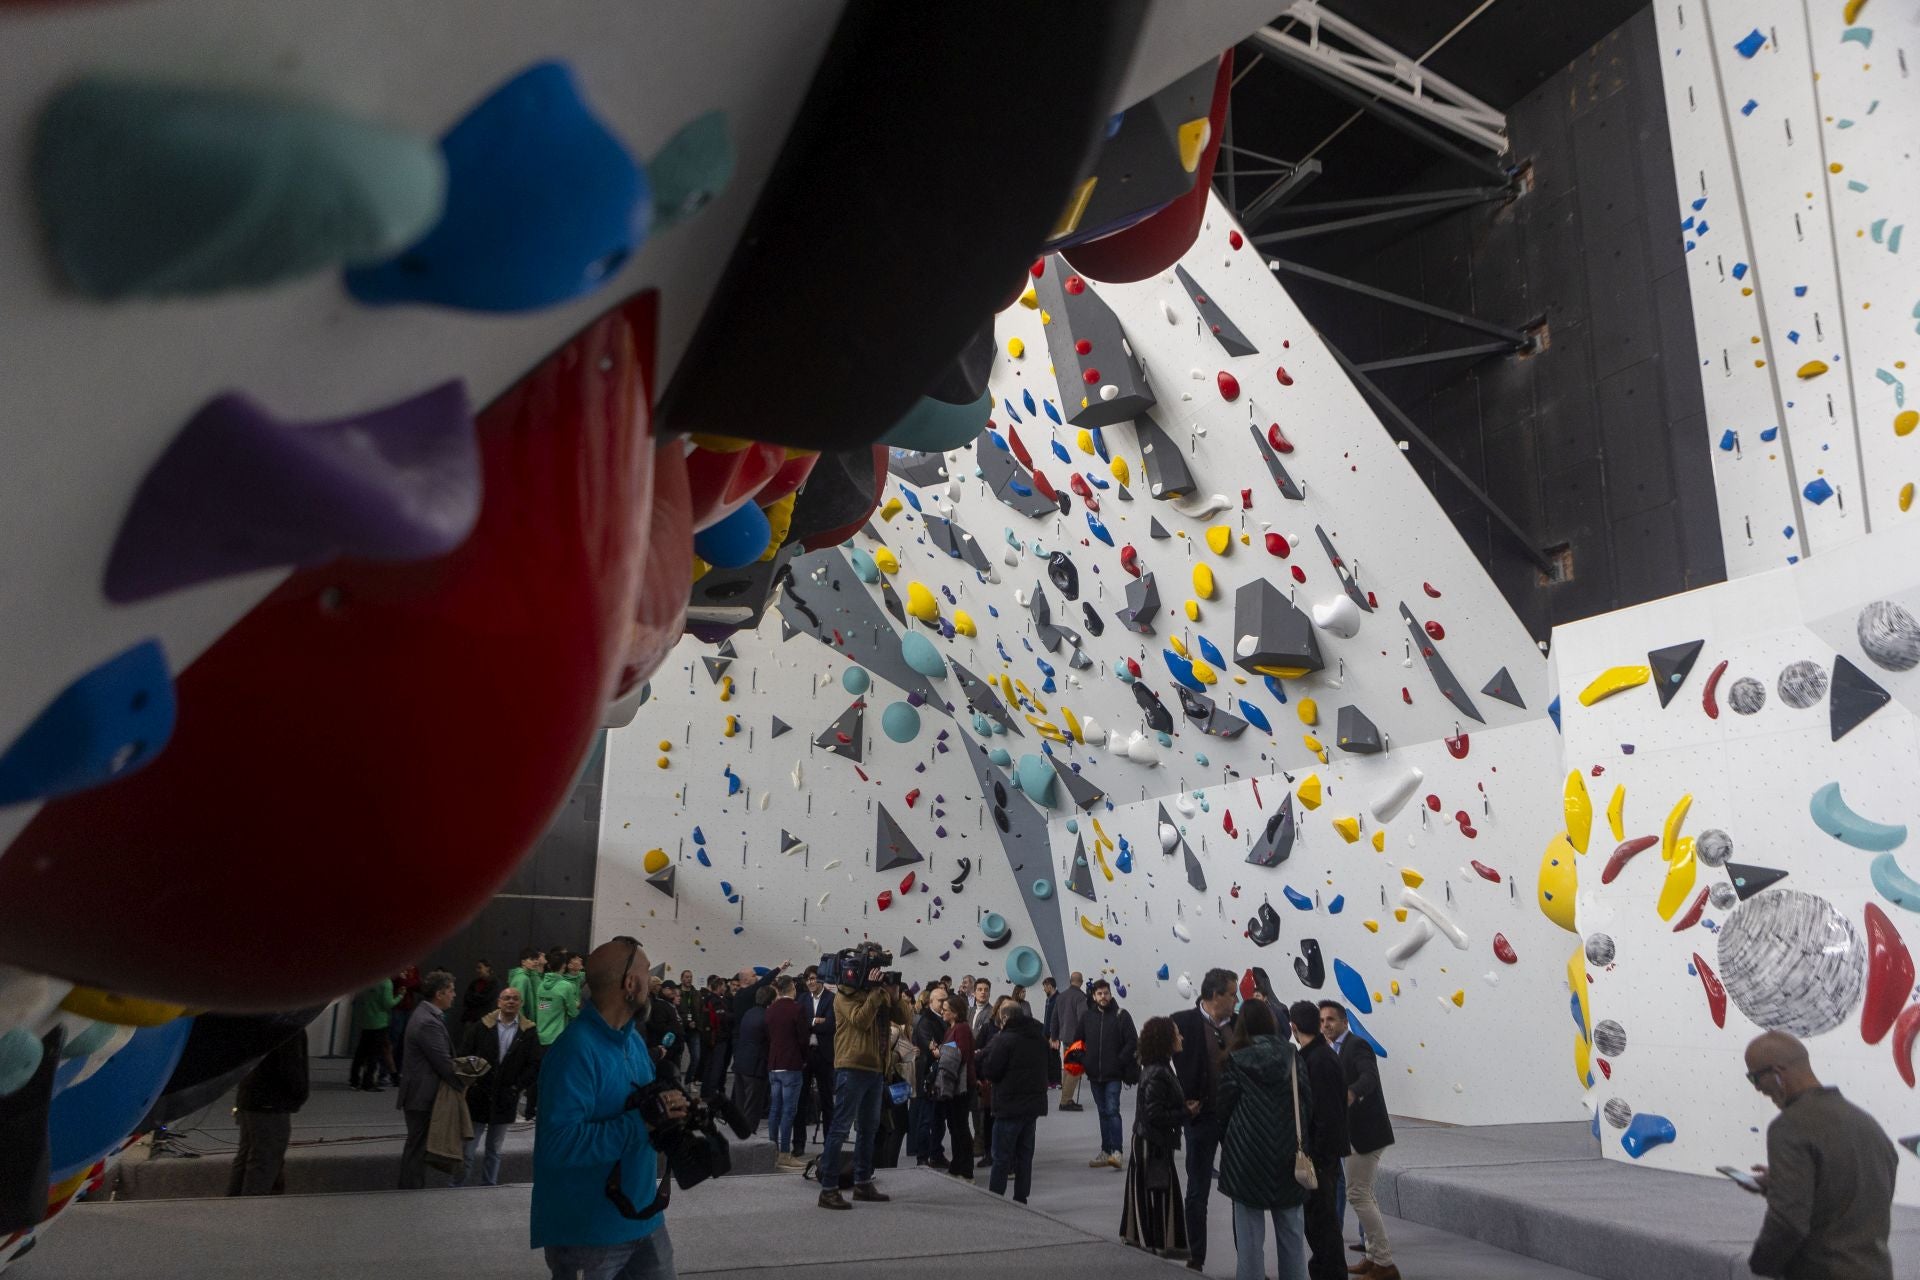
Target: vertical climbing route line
<point>1759,284</point>
<point>1839,278</point>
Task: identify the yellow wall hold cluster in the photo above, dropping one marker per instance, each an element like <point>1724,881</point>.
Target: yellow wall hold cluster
<point>665,747</point>
<point>1670,833</point>
<point>1314,745</point>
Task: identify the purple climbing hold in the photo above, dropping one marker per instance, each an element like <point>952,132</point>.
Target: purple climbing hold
<point>239,490</point>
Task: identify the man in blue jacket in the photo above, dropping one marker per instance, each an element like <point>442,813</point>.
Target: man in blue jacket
<point>586,1128</point>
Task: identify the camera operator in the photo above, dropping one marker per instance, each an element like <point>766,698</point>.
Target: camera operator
<point>863,1018</point>
<point>587,1125</point>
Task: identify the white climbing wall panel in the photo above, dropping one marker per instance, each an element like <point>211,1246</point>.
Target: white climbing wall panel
<point>1796,871</point>
<point>1388,532</point>
<point>1792,134</point>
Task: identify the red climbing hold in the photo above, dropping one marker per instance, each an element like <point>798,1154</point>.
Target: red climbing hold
<point>1091,377</point>
<point>1229,385</point>
<point>1078,484</point>
<point>1485,872</point>
<point>1373,601</point>
<point>1277,545</point>
<point>1624,854</point>
<point>1083,346</point>
<point>1406,696</point>
<point>1226,824</point>
<point>1717,1003</point>
<point>1504,949</point>
<point>1706,695</point>
<point>1133,668</point>
<point>906,883</point>
<point>1692,915</point>
<point>1278,439</point>
<point>912,796</point>
<point>1437,631</point>
<point>1234,892</point>
<point>1246,499</point>
<point>1457,746</point>
<point>884,899</point>
<point>1299,574</point>
<point>1606,1068</point>
<point>1433,802</point>
<point>1076,285</point>
<point>1039,268</point>
<point>1286,379</point>
<point>1465,820</point>
<point>1233,238</point>
<point>1430,589</point>
<point>1889,976</point>
<point>1130,559</point>
<point>1019,448</point>
<point>1045,486</point>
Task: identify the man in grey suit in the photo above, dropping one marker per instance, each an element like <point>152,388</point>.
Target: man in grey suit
<point>426,1060</point>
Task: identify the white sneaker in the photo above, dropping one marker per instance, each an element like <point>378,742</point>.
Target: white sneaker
<point>1114,1160</point>
<point>1098,1162</point>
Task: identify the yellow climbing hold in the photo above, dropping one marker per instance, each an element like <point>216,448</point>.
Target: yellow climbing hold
<point>733,726</point>
<point>1093,927</point>
<point>121,1011</point>
<point>1400,914</point>
<point>1394,987</point>
<point>662,762</point>
<point>1030,696</point>
<point>1310,791</point>
<point>1348,827</point>
<point>1073,724</point>
<point>1616,813</point>
<point>1669,835</point>
<point>1204,672</point>
<point>1852,11</point>
<point>1203,582</point>
<point>1681,874</point>
<point>1811,369</point>
<point>655,861</point>
<point>963,623</point>
<point>1906,495</point>
<point>1100,836</point>
<point>665,745</point>
<point>1373,926</point>
<point>1048,730</point>
<point>1193,137</point>
<point>1178,645</point>
<point>890,509</point>
<point>1558,882</point>
<point>1193,611</point>
<point>1016,348</point>
<point>1100,858</point>
<point>1219,539</point>
<point>1121,471</point>
<point>1459,999</point>
<point>1411,878</point>
<point>1612,681</point>
<point>920,602</point>
<point>1030,300</point>
<point>1380,840</point>
<point>1583,1062</point>
<point>1046,317</point>
<point>1905,421</point>
<point>1309,711</point>
<point>885,561</point>
<point>1579,811</point>
<point>726,688</point>
<point>1085,441</point>
<point>1076,209</point>
<point>1314,745</point>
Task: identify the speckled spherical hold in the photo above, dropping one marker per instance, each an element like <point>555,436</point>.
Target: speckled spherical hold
<point>1790,961</point>
<point>1724,897</point>
<point>917,651</point>
<point>1609,1037</point>
<point>1713,847</point>
<point>1889,636</point>
<point>1746,696</point>
<point>900,722</point>
<point>1802,684</point>
<point>1600,950</point>
<point>1617,1113</point>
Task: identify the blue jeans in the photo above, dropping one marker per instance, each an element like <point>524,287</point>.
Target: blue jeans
<point>783,1106</point>
<point>1106,1100</point>
<point>856,1095</point>
<point>1013,1152</point>
<point>490,1136</point>
<point>1289,1238</point>
<point>646,1259</point>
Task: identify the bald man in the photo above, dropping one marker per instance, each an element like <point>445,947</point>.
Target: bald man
<point>1828,1177</point>
<point>587,1130</point>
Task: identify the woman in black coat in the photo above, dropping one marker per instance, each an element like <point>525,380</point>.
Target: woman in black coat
<point>1154,1217</point>
<point>1015,1065</point>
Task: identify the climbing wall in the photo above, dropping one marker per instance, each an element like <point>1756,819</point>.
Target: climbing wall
<point>1792,124</point>
<point>1177,665</point>
<point>1737,797</point>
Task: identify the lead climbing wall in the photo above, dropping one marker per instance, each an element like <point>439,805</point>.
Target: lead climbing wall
<point>1177,665</point>
<point>1740,763</point>
<point>1793,124</point>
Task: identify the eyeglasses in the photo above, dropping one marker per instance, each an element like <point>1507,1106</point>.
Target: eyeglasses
<point>1753,1077</point>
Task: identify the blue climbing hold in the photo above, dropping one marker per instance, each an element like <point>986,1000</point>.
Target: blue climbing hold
<point>1011,413</point>
<point>1355,1026</point>
<point>1300,901</point>
<point>1352,986</point>
<point>737,540</point>
<point>1338,904</point>
<point>543,205</point>
<point>1182,669</point>
<point>1051,411</point>
<point>1553,712</point>
<point>700,856</point>
<point>1098,529</point>
<point>1100,446</point>
<point>1278,690</point>
<point>1211,652</point>
<point>107,724</point>
<point>1161,973</point>
<point>1026,398</point>
<point>1750,44</point>
<point>1646,1132</point>
<point>1254,716</point>
<point>1060,452</point>
<point>1817,490</point>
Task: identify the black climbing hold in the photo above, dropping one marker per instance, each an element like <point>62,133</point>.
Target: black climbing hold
<point>1158,717</point>
<point>1283,643</point>
<point>1094,624</point>
<point>1155,529</point>
<point>1264,928</point>
<point>1143,605</point>
<point>1853,696</point>
<point>1309,966</point>
<point>1749,880</point>
<point>1671,665</point>
<point>906,947</point>
<point>1062,574</point>
<point>780,726</point>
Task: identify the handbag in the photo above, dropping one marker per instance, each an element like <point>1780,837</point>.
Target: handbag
<point>1303,1171</point>
<point>899,1091</point>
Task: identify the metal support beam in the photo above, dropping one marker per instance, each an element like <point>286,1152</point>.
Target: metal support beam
<point>1365,220</point>
<point>1513,337</point>
<point>1296,181</point>
<point>1438,357</point>
<point>1488,194</point>
<point>1367,388</point>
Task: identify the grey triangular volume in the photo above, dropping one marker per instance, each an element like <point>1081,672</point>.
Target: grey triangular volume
<point>1355,732</point>
<point>1087,345</point>
<point>716,667</point>
<point>1234,342</point>
<point>787,630</point>
<point>891,599</point>
<point>1671,665</point>
<point>1502,687</point>
<point>1749,880</point>
<point>780,726</point>
<point>847,735</point>
<point>906,947</point>
<point>1343,571</point>
<point>789,841</point>
<point>1079,787</point>
<point>1276,468</point>
<point>1080,874</point>
<point>1274,844</point>
<point>1195,876</point>
<point>981,697</point>
<point>891,847</point>
<point>1854,696</point>
<point>663,878</point>
<point>1167,473</point>
<point>1155,529</point>
<point>726,650</point>
<point>1437,667</point>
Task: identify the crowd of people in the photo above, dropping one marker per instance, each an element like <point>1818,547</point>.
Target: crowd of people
<point>1279,1105</point>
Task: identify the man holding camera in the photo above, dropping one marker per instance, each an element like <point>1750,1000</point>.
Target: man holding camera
<point>866,1006</point>
<point>592,1150</point>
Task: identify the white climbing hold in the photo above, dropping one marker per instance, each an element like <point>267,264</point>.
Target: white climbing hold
<point>1108,391</point>
<point>1199,508</point>
<point>1412,900</point>
<point>1180,932</point>
<point>1091,731</point>
<point>1389,802</point>
<point>1142,750</point>
<point>1418,935</point>
<point>1338,616</point>
<point>831,865</point>
<point>1184,803</point>
<point>1169,837</point>
<point>796,775</point>
<point>1186,989</point>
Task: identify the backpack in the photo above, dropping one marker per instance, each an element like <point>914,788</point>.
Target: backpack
<point>949,1080</point>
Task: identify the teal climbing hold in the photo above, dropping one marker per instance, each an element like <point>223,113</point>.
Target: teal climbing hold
<point>691,171</point>
<point>855,680</point>
<point>1023,967</point>
<point>1001,756</point>
<point>1036,778</point>
<point>1832,815</point>
<point>918,652</point>
<point>1073,826</point>
<point>900,721</point>
<point>935,426</point>
<point>1043,889</point>
<point>1893,884</point>
<point>20,1053</point>
<point>863,566</point>
<point>154,190</point>
<point>93,1037</point>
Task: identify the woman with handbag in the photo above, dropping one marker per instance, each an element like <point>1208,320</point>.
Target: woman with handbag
<point>1263,1168</point>
<point>1154,1216</point>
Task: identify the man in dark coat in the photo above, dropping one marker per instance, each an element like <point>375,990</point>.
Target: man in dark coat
<point>1203,1038</point>
<point>750,1081</point>
<point>1110,1056</point>
<point>1046,1022</point>
<point>507,1040</point>
<point>269,1096</point>
<point>427,1062</point>
<point>1326,1136</point>
<point>1016,1065</point>
<point>1369,1130</point>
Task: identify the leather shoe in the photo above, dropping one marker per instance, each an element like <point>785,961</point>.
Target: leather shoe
<point>1364,1267</point>
<point>868,1192</point>
<point>832,1199</point>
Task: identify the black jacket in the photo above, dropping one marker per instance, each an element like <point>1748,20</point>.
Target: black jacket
<point>1253,1102</point>
<point>1197,1062</point>
<point>929,1033</point>
<point>1327,1115</point>
<point>1112,1045</point>
<point>750,1044</point>
<point>663,1017</point>
<point>1368,1127</point>
<point>1016,1065</point>
<point>482,995</point>
<point>493,1097</point>
<point>278,1082</point>
<point>1160,1111</point>
<point>820,1038</point>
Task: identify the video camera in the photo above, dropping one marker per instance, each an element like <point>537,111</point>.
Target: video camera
<point>693,1144</point>
<point>849,968</point>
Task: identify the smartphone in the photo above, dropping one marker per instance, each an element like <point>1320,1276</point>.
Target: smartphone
<point>668,1040</point>
<point>1746,1181</point>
